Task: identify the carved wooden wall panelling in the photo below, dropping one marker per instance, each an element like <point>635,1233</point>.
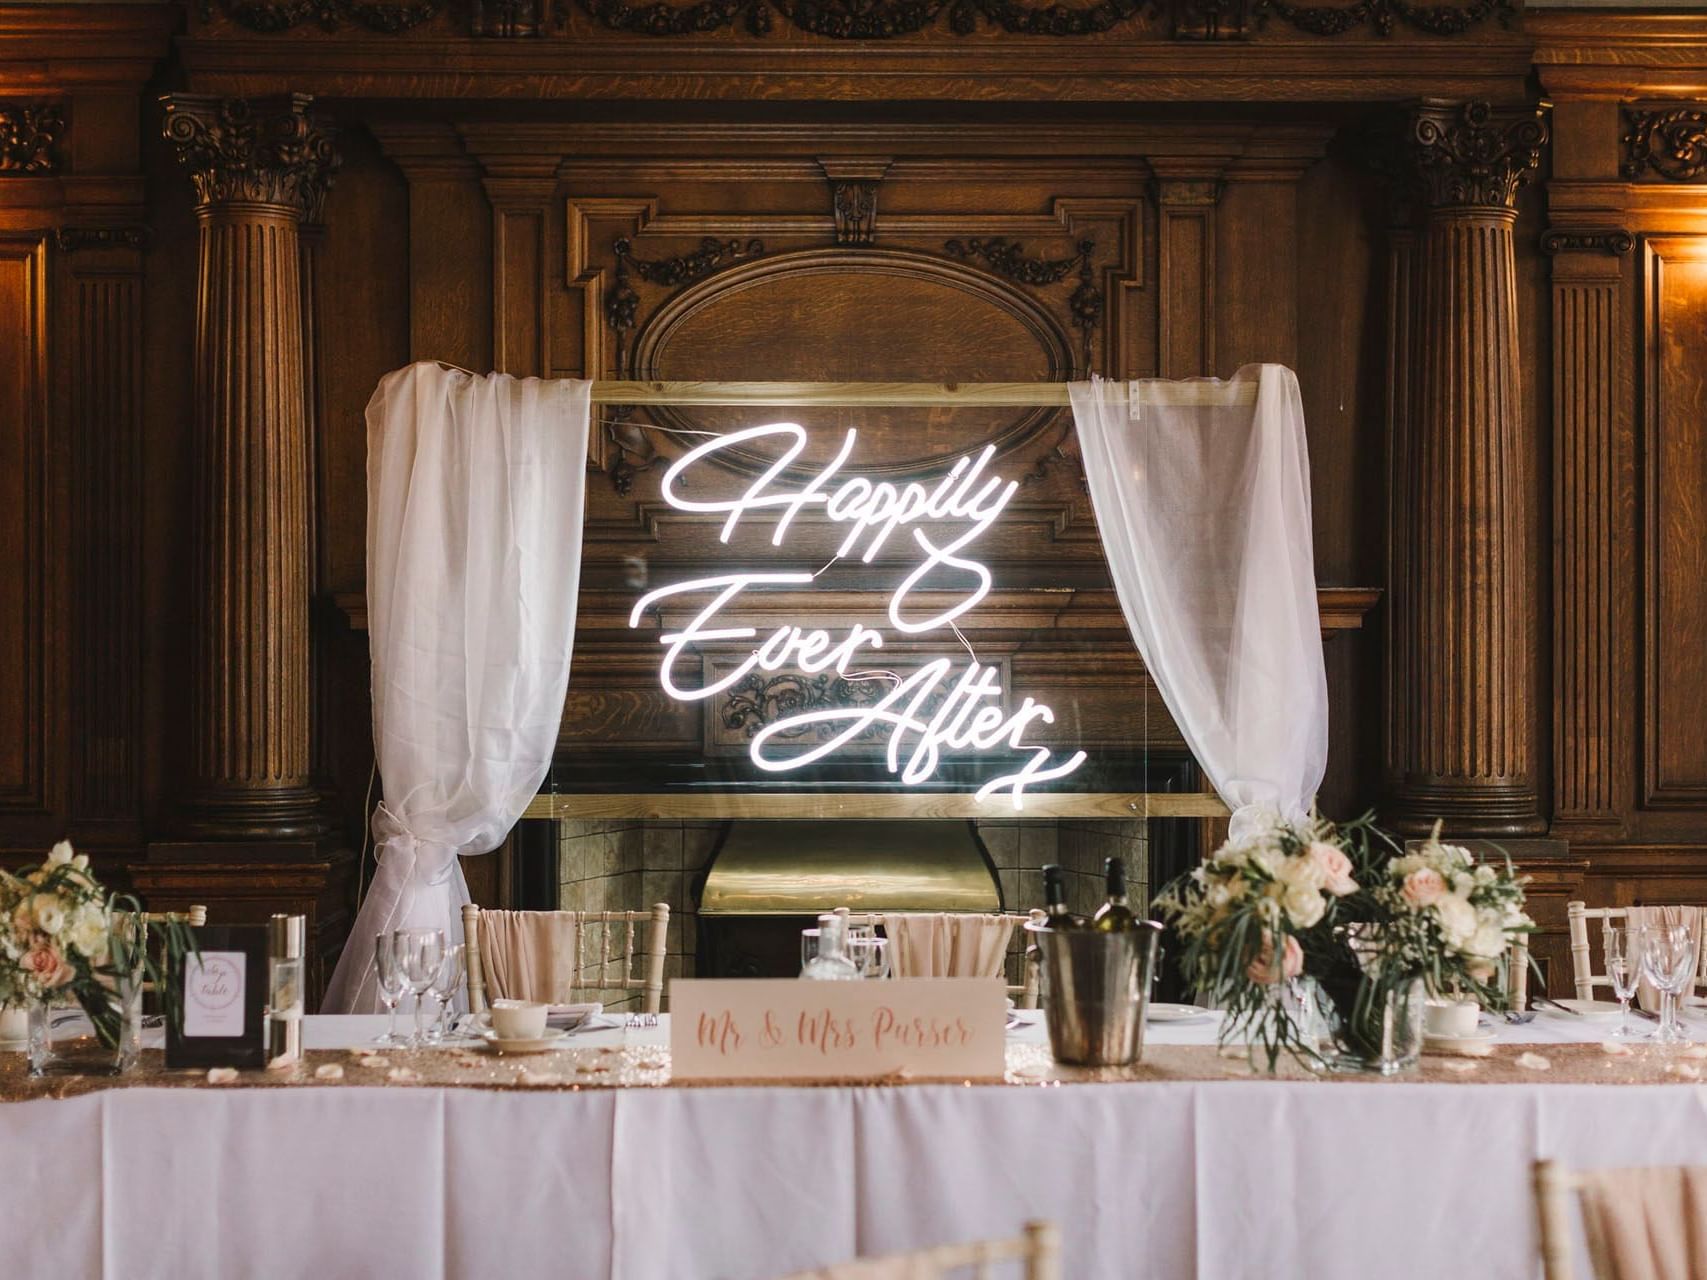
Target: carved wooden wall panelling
<point>1593,503</point>
<point>102,271</point>
<point>1674,447</point>
<point>31,592</point>
<point>30,136</point>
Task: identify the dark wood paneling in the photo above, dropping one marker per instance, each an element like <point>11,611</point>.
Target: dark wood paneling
<point>29,586</point>
<point>1675,657</point>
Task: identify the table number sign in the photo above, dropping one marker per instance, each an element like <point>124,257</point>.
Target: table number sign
<point>786,1029</point>
<point>222,1000</point>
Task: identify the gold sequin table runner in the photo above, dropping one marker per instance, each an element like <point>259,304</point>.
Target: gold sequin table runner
<point>1028,1065</point>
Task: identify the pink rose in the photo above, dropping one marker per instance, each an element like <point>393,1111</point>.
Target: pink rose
<point>1424,887</point>
<point>1261,969</point>
<point>1335,868</point>
<point>44,963</point>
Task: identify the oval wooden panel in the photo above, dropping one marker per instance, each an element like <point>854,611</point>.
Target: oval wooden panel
<point>831,315</point>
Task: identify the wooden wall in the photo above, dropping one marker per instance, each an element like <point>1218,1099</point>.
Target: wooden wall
<point>1164,192</point>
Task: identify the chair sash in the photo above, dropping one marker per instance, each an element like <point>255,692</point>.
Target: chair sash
<point>1646,1224</point>
<point>528,955</point>
<point>948,944</point>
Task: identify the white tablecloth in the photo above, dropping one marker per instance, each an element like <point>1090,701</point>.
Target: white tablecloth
<point>1221,1180</point>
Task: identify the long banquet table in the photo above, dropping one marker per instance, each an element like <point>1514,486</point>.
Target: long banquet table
<point>1221,1178</point>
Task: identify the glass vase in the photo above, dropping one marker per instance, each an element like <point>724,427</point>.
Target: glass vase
<point>65,1041</point>
<point>1380,1030</point>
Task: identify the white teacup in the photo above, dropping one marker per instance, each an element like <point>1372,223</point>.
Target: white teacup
<point>518,1019</point>
<point>1451,1019</point>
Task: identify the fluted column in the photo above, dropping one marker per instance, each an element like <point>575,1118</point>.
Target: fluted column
<point>1464,684</point>
<point>258,167</point>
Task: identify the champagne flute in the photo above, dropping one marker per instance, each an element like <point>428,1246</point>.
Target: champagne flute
<point>1624,971</point>
<point>388,974</point>
<point>423,954</point>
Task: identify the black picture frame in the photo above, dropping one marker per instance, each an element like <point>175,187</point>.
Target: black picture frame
<point>248,1050</point>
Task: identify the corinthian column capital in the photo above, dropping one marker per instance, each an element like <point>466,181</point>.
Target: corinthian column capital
<point>253,151</point>
<point>1471,154</point>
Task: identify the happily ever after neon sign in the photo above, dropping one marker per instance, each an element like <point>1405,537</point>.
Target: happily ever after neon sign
<point>942,522</point>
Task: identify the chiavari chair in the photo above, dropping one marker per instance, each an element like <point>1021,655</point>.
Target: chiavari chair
<point>1022,960</point>
<point>1577,916</point>
<point>610,968</point>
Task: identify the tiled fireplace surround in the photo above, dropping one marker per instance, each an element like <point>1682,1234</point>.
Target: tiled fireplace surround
<point>627,865</point>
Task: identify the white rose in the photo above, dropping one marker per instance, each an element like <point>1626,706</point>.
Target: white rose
<point>1457,920</point>
<point>60,853</point>
<point>1487,942</point>
<point>50,916</point>
<point>88,932</point>
<point>1304,905</point>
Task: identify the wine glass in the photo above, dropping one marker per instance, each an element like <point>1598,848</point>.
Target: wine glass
<point>870,954</point>
<point>422,952</point>
<point>1668,961</point>
<point>388,974</point>
<point>445,986</point>
<point>1624,971</point>
<point>808,946</point>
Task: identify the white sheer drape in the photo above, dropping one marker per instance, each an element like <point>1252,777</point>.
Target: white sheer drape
<point>1202,496</point>
<point>475,505</point>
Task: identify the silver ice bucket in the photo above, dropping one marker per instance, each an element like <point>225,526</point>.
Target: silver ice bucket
<point>1096,989</point>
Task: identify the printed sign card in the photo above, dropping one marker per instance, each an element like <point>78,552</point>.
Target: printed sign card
<point>788,1029</point>
<point>222,995</point>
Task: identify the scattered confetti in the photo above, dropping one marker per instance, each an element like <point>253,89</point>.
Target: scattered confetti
<point>537,1078</point>
<point>1695,1051</point>
<point>221,1075</point>
<point>1617,1048</point>
<point>1533,1062</point>
<point>1683,1070</point>
<point>402,1075</point>
<point>284,1062</point>
<point>1460,1065</point>
<point>373,1060</point>
<point>329,1071</point>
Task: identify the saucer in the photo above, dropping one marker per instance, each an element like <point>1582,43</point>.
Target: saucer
<point>1175,1012</point>
<point>558,1017</point>
<point>531,1044</point>
<point>1454,1044</point>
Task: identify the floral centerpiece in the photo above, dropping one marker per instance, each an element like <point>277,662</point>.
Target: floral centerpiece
<point>1258,916</point>
<point>65,939</point>
<point>1306,934</point>
<point>1451,920</point>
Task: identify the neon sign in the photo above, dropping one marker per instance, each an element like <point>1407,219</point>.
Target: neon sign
<point>970,717</point>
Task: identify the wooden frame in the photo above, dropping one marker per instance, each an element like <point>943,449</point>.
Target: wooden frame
<point>601,978</point>
<point>891,395</point>
<point>882,804</point>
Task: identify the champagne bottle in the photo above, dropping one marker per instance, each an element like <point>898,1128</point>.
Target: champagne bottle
<point>1055,900</point>
<point>1114,916</point>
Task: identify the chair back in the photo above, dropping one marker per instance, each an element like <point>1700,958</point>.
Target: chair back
<point>1021,965</point>
<point>1636,1222</point>
<point>1038,1251</point>
<point>606,954</point>
<point>195,916</point>
<point>1578,915</point>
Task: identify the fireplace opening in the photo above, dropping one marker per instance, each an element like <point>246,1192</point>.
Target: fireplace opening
<point>741,888</point>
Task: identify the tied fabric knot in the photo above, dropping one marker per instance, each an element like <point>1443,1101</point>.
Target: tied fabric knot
<point>428,861</point>
<point>1250,820</point>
